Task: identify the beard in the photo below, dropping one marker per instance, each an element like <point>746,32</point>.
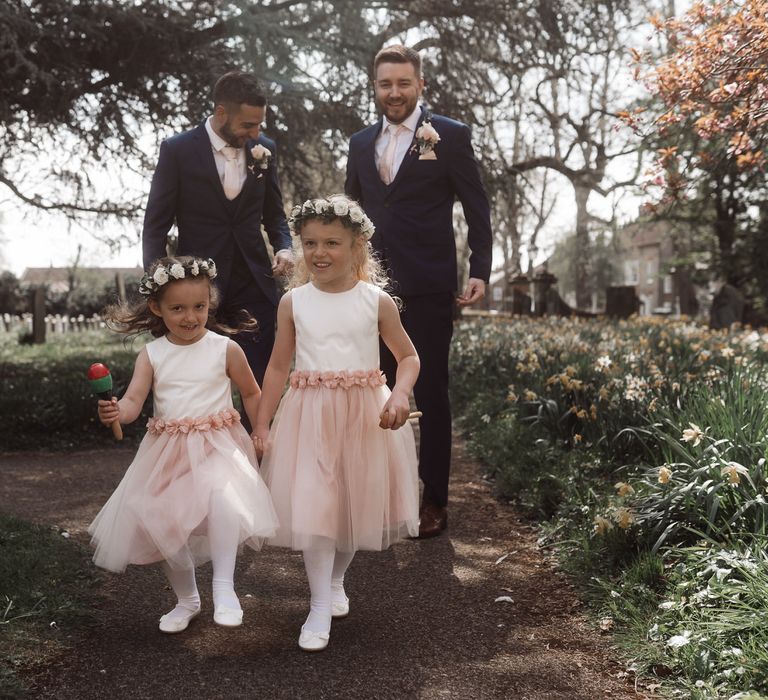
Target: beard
<point>399,112</point>
<point>230,137</point>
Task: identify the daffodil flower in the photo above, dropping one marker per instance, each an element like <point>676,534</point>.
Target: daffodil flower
<point>693,434</point>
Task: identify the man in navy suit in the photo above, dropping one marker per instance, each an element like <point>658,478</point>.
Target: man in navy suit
<point>218,183</point>
<point>406,171</point>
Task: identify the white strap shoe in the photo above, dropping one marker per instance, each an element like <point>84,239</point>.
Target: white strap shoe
<point>313,641</point>
<point>174,622</point>
<point>228,617</point>
<point>340,608</point>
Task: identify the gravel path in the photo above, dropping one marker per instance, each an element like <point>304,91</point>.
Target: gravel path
<point>423,621</point>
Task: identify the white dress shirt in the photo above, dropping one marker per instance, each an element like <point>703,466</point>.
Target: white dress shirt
<point>404,140</point>
<point>217,144</point>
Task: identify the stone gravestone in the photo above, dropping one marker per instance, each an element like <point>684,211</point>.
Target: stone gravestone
<point>38,314</point>
<point>521,300</point>
<point>621,302</point>
<point>727,307</point>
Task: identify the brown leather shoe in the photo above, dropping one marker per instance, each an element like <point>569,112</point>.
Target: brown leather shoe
<point>432,520</point>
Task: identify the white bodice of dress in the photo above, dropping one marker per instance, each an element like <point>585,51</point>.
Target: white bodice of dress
<point>336,331</point>
<point>190,381</point>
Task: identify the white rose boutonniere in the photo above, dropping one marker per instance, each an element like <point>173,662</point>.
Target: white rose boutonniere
<point>261,155</point>
<point>426,140</point>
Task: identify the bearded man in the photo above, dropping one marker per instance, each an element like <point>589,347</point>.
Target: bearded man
<point>407,170</point>
<point>218,183</point>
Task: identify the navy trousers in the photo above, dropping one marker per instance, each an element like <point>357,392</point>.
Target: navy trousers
<point>244,294</point>
<point>428,320</point>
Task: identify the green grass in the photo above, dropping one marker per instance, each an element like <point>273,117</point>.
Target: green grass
<point>47,589</point>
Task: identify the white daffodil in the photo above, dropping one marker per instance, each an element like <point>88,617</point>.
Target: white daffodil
<point>693,434</point>
<point>679,640</point>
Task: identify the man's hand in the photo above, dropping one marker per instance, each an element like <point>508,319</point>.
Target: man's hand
<point>282,265</point>
<point>474,291</point>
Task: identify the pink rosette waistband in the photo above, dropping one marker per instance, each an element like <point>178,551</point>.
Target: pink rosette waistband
<point>216,421</point>
<point>343,379</point>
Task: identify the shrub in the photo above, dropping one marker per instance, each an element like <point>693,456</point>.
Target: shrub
<point>45,398</point>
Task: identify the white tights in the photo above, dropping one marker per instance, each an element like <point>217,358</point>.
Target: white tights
<point>325,570</point>
<point>223,538</point>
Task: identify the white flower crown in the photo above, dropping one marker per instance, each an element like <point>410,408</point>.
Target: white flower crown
<point>162,274</point>
<point>350,214</point>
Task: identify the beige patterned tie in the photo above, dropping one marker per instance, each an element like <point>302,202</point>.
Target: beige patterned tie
<point>231,172</point>
<point>386,164</point>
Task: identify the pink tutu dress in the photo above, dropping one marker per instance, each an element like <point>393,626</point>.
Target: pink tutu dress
<point>332,471</point>
<point>194,445</point>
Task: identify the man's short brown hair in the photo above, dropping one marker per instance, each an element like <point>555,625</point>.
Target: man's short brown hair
<point>236,88</point>
<point>398,53</point>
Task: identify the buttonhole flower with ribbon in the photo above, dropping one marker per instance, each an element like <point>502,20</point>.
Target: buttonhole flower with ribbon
<point>426,140</point>
<point>261,156</point>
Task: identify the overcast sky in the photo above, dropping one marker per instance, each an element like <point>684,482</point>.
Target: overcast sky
<point>44,240</point>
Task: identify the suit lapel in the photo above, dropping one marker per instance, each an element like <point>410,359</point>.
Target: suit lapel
<point>251,175</point>
<point>368,155</point>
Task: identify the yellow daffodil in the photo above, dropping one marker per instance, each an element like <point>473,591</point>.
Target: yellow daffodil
<point>602,525</point>
<point>732,470</point>
<point>623,517</point>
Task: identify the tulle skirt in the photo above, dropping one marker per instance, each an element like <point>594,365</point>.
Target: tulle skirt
<point>333,472</point>
<point>159,511</point>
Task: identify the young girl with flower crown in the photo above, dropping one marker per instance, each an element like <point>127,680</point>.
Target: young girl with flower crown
<point>340,458</point>
<point>192,493</point>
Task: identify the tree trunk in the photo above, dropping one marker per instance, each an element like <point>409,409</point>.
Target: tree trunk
<point>581,260</point>
<point>725,230</point>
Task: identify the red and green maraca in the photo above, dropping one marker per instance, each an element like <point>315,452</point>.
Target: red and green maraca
<point>101,384</point>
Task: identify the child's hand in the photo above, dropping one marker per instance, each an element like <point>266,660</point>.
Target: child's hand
<point>395,412</point>
<point>109,411</point>
<point>259,437</point>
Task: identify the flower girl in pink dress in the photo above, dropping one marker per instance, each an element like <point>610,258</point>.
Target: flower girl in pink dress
<point>192,493</point>
<point>340,458</point>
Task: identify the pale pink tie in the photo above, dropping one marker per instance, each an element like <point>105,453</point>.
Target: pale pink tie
<point>387,162</point>
<point>231,172</point>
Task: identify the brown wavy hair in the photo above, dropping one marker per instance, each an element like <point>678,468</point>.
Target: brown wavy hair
<point>135,317</point>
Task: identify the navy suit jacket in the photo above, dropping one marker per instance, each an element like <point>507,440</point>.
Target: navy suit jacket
<point>186,188</point>
<point>414,214</point>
